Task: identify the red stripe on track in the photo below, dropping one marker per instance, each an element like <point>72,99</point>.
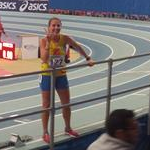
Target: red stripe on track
<point>4,73</point>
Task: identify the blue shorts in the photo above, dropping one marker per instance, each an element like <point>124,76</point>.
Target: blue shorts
<point>61,82</point>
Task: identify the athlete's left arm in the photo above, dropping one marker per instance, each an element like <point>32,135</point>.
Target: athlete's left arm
<point>71,42</point>
<point>79,49</point>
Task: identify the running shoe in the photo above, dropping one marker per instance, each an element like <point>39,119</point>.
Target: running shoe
<point>72,133</point>
<point>46,138</point>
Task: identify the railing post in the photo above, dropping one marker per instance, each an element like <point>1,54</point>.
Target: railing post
<point>52,112</point>
<point>110,63</point>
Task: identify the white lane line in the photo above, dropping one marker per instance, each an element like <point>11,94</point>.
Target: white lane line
<point>22,109</point>
<point>22,98</point>
<point>78,110</point>
<point>127,31</point>
<point>78,35</point>
<point>91,72</point>
<point>95,69</point>
<point>76,18</point>
<point>19,83</point>
<point>12,79</point>
<point>19,90</point>
<point>141,94</point>
<point>15,115</point>
<point>98,81</point>
<point>21,121</point>
<point>94,90</point>
<point>18,99</point>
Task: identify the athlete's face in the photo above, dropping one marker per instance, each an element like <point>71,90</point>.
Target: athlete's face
<point>55,26</point>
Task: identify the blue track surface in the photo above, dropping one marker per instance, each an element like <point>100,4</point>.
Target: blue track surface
<point>103,39</point>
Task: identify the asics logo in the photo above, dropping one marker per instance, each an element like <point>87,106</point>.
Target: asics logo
<point>26,5</point>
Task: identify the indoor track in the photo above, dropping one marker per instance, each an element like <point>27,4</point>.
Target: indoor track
<point>103,39</point>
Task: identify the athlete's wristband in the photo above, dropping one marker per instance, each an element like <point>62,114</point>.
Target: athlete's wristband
<point>88,58</point>
<point>45,66</point>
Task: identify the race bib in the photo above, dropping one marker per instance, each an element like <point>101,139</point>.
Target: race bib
<point>57,61</point>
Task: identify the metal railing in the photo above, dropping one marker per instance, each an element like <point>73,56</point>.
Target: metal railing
<point>53,108</point>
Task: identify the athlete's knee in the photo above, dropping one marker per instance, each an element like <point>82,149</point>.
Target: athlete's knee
<point>66,109</point>
<point>46,104</point>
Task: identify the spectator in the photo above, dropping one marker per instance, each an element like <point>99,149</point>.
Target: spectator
<point>1,30</point>
<point>121,132</point>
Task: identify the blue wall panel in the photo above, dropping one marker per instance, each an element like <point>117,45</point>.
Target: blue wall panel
<point>121,6</point>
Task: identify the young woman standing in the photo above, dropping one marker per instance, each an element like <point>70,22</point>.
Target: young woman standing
<point>52,51</point>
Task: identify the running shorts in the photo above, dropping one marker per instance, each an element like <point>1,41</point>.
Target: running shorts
<point>61,82</point>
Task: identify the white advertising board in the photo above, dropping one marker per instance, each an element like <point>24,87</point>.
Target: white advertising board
<point>30,44</point>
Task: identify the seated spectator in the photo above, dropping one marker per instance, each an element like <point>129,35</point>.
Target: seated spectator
<point>121,132</point>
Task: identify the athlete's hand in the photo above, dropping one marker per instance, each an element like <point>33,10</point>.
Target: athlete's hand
<point>48,35</point>
<point>91,62</point>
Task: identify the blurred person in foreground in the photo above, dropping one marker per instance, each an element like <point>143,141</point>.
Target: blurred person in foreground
<point>121,132</point>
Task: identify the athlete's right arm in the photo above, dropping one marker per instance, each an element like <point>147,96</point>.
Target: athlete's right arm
<point>44,52</point>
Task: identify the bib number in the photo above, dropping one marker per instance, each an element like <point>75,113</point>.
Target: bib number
<point>57,61</point>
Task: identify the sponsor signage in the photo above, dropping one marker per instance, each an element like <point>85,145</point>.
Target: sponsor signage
<point>24,5</point>
<point>7,50</point>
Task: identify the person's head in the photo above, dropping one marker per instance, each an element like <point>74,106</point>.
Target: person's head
<point>121,124</point>
<point>54,25</point>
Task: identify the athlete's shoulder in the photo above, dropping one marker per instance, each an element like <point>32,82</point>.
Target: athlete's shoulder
<point>64,37</point>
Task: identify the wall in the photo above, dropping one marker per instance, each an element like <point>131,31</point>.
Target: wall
<point>120,6</point>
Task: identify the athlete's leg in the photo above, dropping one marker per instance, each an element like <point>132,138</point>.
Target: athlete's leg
<point>66,111</point>
<point>62,87</point>
<point>64,95</point>
<point>45,114</point>
<point>45,91</point>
